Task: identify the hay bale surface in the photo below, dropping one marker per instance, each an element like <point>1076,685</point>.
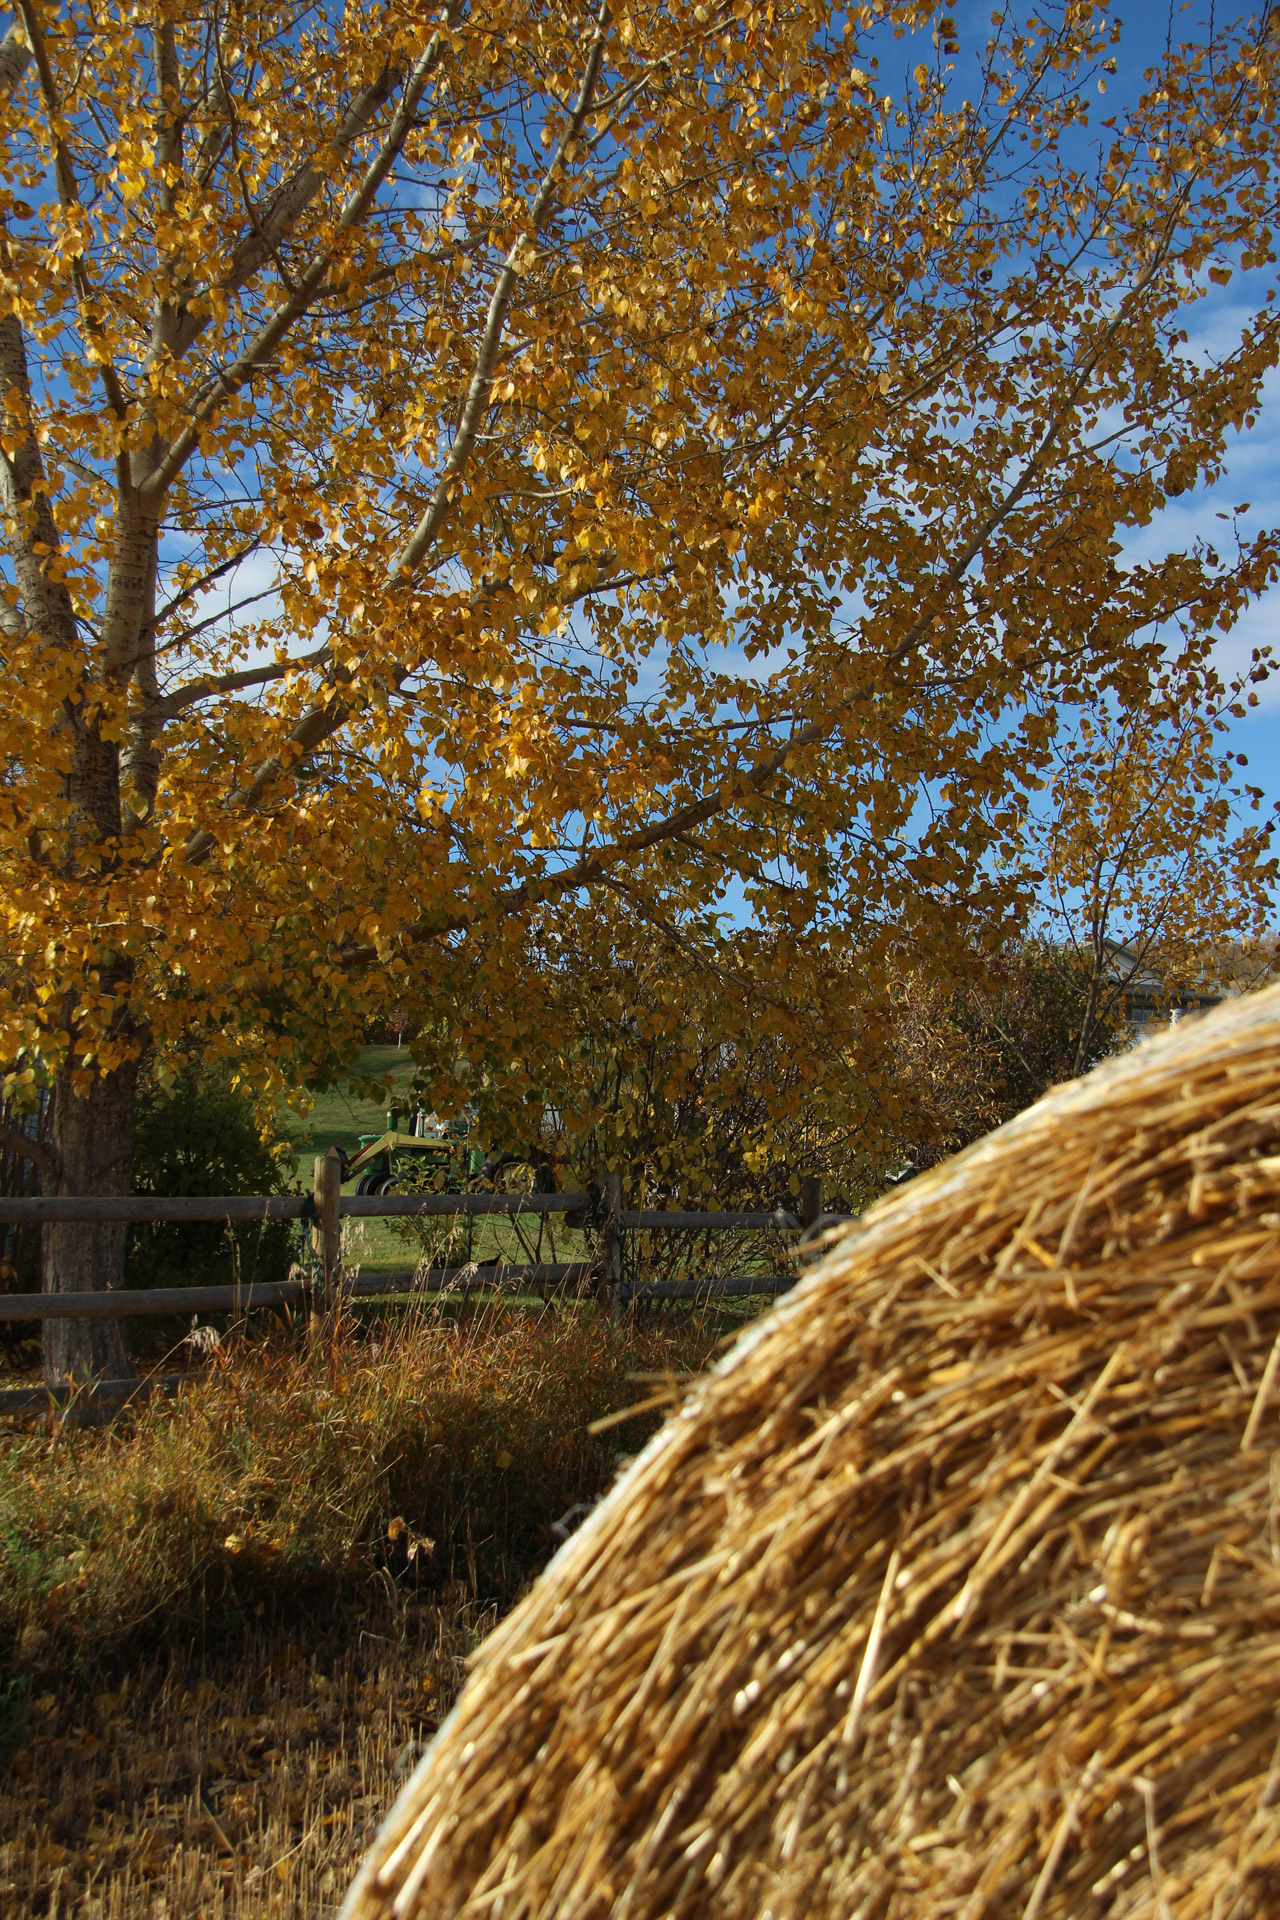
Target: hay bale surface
<point>956,1589</point>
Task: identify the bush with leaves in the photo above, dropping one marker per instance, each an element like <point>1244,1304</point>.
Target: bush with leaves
<point>674,1070</point>
<point>201,1135</point>
<point>427,1445</point>
<point>659,1057</point>
<point>970,1051</point>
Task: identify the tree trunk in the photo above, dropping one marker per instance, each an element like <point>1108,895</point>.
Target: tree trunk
<point>93,1141</point>
<point>92,1131</point>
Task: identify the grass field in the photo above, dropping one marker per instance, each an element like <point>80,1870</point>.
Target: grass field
<point>229,1621</point>
<point>338,1119</point>
<point>245,1784</point>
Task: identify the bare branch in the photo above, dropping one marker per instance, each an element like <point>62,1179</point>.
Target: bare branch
<point>28,1149</point>
<point>206,580</point>
<point>478,394</point>
<point>15,58</point>
<point>188,634</point>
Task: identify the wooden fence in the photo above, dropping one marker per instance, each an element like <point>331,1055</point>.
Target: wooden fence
<point>326,1206</point>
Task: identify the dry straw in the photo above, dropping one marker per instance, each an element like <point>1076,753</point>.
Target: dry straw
<point>954,1591</point>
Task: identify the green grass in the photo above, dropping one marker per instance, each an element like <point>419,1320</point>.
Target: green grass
<point>339,1118</point>
<point>391,1245</point>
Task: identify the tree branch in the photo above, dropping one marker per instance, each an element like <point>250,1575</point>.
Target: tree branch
<point>12,624</point>
<point>206,580</point>
<point>177,702</point>
<point>477,401</point>
<point>312,730</point>
<point>317,725</point>
<point>593,868</point>
<point>187,634</point>
<point>69,196</point>
<point>307,290</point>
<point>34,1150</point>
<point>32,531</point>
<point>170,128</point>
<point>15,58</point>
<point>268,228</point>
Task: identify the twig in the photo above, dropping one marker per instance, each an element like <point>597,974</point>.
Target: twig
<point>1147,1789</point>
<point>870,1658</point>
<point>1040,1892</point>
<point>1262,1396</point>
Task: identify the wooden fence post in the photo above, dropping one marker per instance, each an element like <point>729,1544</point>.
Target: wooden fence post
<point>810,1200</point>
<point>326,1230</point>
<point>611,1249</point>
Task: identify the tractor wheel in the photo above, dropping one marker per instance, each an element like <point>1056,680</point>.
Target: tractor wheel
<point>510,1174</point>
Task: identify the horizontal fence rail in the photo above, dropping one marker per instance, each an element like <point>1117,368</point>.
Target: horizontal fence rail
<point>150,1206</point>
<point>737,1286</point>
<point>330,1286</point>
<point>408,1206</point>
<point>127,1301</point>
<point>131,1302</point>
<point>98,1393</point>
<point>286,1206</point>
<point>695,1222</point>
<point>145,1207</point>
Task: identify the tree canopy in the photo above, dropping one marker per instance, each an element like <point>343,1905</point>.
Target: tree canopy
<point>473,469</point>
<point>1152,867</point>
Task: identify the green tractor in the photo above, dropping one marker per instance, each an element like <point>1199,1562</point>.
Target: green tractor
<point>440,1161</point>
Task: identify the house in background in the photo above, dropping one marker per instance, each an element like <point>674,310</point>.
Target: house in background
<point>1148,1002</point>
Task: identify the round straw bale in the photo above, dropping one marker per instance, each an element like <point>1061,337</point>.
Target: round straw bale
<point>955,1590</point>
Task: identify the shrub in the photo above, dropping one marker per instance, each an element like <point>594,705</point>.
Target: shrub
<point>201,1136</point>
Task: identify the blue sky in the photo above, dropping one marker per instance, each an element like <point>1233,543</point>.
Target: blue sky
<point>1253,476</point>
<point>1147,29</point>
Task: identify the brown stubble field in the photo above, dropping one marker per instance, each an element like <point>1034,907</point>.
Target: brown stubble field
<point>245,1786</point>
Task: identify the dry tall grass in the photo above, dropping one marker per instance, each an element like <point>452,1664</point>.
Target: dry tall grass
<point>954,1592</point>
<point>283,1473</point>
